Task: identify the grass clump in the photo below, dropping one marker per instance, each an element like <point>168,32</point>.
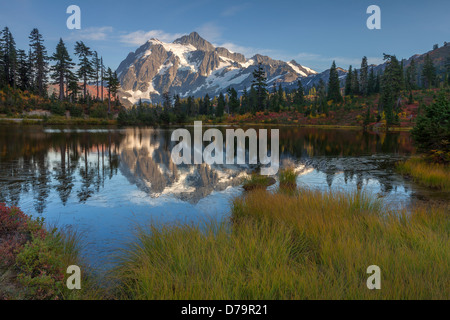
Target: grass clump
<point>302,245</point>
<point>256,181</point>
<point>434,175</point>
<point>288,178</point>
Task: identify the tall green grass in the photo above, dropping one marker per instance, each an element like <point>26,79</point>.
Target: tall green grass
<point>432,175</point>
<point>256,181</point>
<point>288,178</point>
<point>302,245</point>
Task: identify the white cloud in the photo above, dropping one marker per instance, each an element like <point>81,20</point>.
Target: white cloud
<point>139,37</point>
<point>92,33</point>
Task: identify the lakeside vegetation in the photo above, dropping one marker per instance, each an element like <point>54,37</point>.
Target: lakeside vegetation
<point>426,173</point>
<point>369,97</point>
<point>34,259</point>
<point>432,137</point>
<point>302,245</point>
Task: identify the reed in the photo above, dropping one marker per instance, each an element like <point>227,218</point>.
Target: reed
<point>302,245</point>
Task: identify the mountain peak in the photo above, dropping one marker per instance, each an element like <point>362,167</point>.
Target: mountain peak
<point>196,40</point>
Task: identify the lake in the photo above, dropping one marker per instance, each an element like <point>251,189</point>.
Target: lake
<point>104,182</point>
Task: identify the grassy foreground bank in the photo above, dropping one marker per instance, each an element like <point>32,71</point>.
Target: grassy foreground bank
<point>294,245</point>
<point>289,244</point>
<point>34,259</point>
<point>433,175</point>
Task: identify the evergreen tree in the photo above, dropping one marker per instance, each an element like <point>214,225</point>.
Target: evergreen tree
<point>402,76</point>
<point>39,61</point>
<point>411,74</point>
<point>245,101</point>
<point>355,83</point>
<point>190,106</point>
<point>322,105</point>
<point>102,72</point>
<point>23,70</point>
<point>363,77</point>
<point>207,105</point>
<point>371,82</point>
<point>391,87</point>
<point>85,69</point>
<point>9,60</point>
<point>432,131</point>
<point>299,94</point>
<point>97,67</point>
<point>348,82</point>
<point>62,68</point>
<point>220,105</point>
<point>334,92</point>
<point>112,84</point>
<point>234,101</point>
<point>281,98</point>
<point>260,85</point>
<point>428,72</point>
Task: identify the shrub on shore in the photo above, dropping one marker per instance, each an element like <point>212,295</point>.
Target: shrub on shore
<point>34,259</point>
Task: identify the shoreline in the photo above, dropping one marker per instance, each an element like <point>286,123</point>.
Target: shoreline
<point>104,122</point>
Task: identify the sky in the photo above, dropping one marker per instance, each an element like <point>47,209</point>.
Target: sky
<point>314,32</point>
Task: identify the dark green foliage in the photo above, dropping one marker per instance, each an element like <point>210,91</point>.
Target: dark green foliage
<point>233,102</point>
<point>428,72</point>
<point>62,68</point>
<point>348,82</point>
<point>391,87</point>
<point>432,131</point>
<point>363,78</point>
<point>260,86</point>
<point>334,92</point>
<point>85,69</point>
<point>39,62</point>
<point>220,105</point>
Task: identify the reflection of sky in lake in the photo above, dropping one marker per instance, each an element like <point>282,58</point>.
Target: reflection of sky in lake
<point>104,182</point>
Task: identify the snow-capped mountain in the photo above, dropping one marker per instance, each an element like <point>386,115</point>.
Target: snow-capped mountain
<point>191,66</point>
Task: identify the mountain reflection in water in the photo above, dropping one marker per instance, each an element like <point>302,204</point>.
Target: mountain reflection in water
<point>103,180</point>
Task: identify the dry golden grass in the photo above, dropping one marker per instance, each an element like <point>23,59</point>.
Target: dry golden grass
<point>304,245</point>
<point>432,175</point>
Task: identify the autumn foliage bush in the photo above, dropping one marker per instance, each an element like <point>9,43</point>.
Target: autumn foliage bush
<point>34,254</point>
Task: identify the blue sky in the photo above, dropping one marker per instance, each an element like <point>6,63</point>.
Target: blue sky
<point>314,33</point>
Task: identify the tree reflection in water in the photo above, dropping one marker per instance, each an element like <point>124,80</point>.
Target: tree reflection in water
<point>78,162</point>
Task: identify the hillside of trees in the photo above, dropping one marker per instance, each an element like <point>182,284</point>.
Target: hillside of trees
<point>26,75</point>
<point>84,87</point>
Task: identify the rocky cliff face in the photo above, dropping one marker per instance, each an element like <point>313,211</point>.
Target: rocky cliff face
<point>191,66</point>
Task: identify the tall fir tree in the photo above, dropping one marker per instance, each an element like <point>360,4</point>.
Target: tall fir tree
<point>348,82</point>
<point>85,69</point>
<point>371,82</point>
<point>61,70</point>
<point>363,77</point>
<point>39,61</point>
<point>391,88</point>
<point>260,85</point>
<point>220,105</point>
<point>23,70</point>
<point>9,60</point>
<point>299,94</point>
<point>112,84</point>
<point>428,72</point>
<point>334,91</point>
<point>355,83</point>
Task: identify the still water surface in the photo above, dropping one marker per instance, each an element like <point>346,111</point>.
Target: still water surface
<point>104,182</point>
